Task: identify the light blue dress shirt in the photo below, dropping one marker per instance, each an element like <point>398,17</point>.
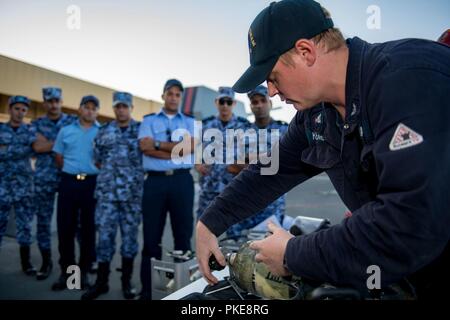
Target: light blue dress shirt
<point>76,144</point>
<point>160,127</point>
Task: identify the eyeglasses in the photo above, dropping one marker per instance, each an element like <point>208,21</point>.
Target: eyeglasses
<point>226,101</point>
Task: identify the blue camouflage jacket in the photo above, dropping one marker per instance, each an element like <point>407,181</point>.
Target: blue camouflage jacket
<point>16,175</point>
<point>121,174</point>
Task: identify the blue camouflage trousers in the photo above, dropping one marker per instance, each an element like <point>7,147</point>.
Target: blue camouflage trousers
<point>44,207</point>
<point>24,217</point>
<point>108,216</point>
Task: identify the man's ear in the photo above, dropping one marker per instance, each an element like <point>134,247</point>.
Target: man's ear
<point>306,51</point>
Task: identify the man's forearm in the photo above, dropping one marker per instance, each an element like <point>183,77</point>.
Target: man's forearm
<point>59,159</point>
<point>160,154</point>
<point>234,169</point>
<point>168,146</point>
<point>43,146</point>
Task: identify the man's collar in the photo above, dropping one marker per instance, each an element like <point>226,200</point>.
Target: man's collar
<point>233,118</point>
<point>130,123</point>
<point>95,124</point>
<point>268,123</point>
<point>161,112</point>
<point>61,117</point>
<point>22,124</point>
<point>353,81</point>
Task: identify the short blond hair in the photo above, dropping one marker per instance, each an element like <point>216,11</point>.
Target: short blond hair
<point>331,39</point>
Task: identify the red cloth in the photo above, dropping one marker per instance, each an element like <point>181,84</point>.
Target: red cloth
<point>445,37</point>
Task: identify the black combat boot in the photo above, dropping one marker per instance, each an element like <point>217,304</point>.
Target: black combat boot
<point>27,267</point>
<point>84,280</point>
<point>61,283</point>
<point>129,292</point>
<point>101,284</point>
<point>47,265</point>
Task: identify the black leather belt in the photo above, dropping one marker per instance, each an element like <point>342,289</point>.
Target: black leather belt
<point>168,172</point>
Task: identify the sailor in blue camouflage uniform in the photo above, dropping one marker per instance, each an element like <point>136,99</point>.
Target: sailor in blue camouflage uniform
<point>16,177</point>
<point>261,106</point>
<point>215,177</point>
<point>47,177</point>
<point>119,194</point>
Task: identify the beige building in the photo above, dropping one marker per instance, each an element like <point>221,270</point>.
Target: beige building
<point>20,78</point>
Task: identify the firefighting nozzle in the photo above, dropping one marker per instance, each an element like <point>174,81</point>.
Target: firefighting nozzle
<point>214,264</point>
<point>254,277</point>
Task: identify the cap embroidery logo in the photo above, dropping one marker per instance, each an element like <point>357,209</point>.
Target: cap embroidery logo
<point>404,137</point>
<point>354,110</point>
<point>251,40</point>
<point>318,119</point>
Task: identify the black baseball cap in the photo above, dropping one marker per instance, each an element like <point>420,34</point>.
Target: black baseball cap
<point>274,32</point>
<point>90,98</point>
<point>173,83</point>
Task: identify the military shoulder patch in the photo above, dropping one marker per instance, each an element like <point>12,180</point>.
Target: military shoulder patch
<point>188,115</point>
<point>280,122</point>
<point>404,137</point>
<point>242,119</point>
<point>150,114</point>
<point>208,118</point>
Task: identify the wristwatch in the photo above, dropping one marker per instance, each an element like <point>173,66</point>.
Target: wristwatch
<point>157,145</point>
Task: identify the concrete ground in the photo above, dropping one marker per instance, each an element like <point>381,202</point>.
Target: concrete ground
<point>315,198</point>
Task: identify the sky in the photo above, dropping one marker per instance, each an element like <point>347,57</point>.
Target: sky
<point>137,45</point>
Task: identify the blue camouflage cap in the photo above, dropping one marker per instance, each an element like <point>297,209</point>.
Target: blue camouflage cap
<point>225,92</point>
<point>19,99</point>
<point>50,93</point>
<point>90,98</point>
<point>122,97</point>
<point>261,90</point>
<point>173,83</point>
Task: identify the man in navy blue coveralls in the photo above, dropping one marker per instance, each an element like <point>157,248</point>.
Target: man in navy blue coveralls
<point>381,134</point>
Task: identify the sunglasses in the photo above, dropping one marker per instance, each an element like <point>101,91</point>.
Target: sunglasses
<point>226,101</point>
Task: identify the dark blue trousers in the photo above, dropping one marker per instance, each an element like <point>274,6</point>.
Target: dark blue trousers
<point>76,208</point>
<point>162,194</point>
